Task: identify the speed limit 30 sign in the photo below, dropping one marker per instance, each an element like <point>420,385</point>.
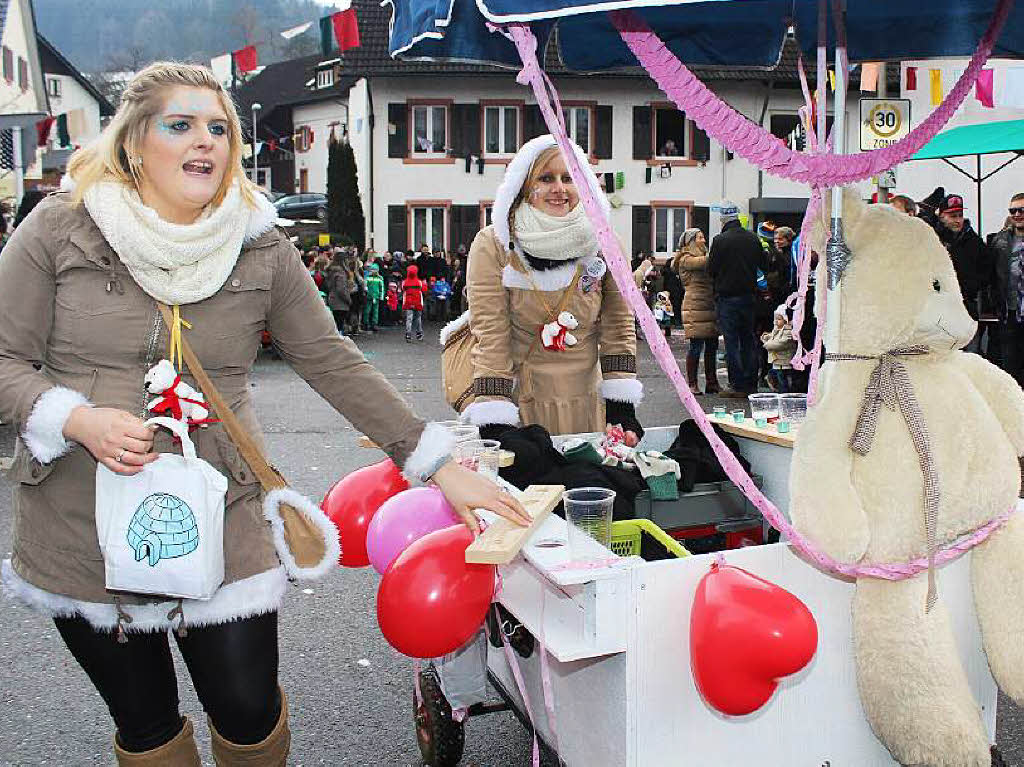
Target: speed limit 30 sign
<point>883,122</point>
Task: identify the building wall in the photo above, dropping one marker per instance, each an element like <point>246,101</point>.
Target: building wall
<point>18,35</point>
<point>320,117</point>
<point>74,96</point>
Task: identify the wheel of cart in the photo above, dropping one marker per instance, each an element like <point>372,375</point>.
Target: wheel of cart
<point>440,737</point>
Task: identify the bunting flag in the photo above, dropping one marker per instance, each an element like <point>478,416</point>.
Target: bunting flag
<point>43,128</point>
<point>288,34</point>
<point>911,78</point>
<point>62,130</point>
<point>869,76</point>
<point>832,79</point>
<point>339,31</point>
<point>78,126</point>
<point>983,89</point>
<point>1013,88</point>
<point>221,67</point>
<point>935,77</point>
<point>246,59</point>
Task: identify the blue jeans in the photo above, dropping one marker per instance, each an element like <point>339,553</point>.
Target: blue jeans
<point>735,315</point>
<point>414,323</point>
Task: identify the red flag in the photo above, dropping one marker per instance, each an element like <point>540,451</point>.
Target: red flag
<point>246,59</point>
<point>911,78</point>
<point>983,89</point>
<point>43,130</point>
<point>346,29</point>
<point>273,145</point>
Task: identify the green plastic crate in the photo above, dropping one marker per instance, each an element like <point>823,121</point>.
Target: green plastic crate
<point>626,536</point>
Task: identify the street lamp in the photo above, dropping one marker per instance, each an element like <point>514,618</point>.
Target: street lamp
<point>256,107</point>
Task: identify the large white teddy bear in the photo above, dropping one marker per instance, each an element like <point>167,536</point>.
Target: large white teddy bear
<point>898,291</point>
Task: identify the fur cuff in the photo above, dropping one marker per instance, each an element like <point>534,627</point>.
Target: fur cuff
<point>492,411</point>
<point>44,429</point>
<point>622,390</point>
<point>304,506</point>
<point>454,327</point>
<point>433,449</point>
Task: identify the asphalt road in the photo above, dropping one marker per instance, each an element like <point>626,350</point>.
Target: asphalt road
<point>349,692</point>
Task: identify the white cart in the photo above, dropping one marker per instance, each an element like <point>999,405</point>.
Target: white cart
<point>619,654</point>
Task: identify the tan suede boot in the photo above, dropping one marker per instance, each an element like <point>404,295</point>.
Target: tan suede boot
<point>181,751</point>
<point>272,751</point>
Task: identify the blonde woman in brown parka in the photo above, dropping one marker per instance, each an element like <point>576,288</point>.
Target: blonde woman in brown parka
<point>691,263</point>
<point>161,212</point>
<point>519,272</point>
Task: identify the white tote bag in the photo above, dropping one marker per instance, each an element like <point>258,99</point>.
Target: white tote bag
<point>161,531</point>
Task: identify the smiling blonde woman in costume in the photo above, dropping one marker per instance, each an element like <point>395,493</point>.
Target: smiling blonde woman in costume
<point>161,212</point>
<point>540,246</point>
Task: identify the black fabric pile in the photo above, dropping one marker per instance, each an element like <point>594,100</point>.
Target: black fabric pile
<point>697,461</point>
<point>539,463</point>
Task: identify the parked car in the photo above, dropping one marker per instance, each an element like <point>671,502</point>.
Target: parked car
<point>296,206</point>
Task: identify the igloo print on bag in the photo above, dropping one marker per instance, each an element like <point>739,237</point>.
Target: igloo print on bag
<point>163,527</point>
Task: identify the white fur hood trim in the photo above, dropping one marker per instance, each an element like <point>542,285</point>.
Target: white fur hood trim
<point>261,220</point>
<point>622,390</point>
<point>434,446</point>
<point>492,411</point>
<point>299,502</point>
<point>515,176</point>
<point>255,595</point>
<point>454,327</point>
<point>44,429</point>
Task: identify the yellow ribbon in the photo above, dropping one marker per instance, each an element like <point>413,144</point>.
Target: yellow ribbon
<point>175,348</point>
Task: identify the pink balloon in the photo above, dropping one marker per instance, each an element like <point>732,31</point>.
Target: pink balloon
<point>403,519</point>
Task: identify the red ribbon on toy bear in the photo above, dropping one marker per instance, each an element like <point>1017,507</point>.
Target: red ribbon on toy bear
<point>171,402</point>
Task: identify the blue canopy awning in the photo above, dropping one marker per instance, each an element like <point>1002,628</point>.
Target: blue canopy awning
<point>698,32</point>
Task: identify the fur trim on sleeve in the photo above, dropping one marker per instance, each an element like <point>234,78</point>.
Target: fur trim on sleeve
<point>622,390</point>
<point>272,513</point>
<point>454,327</point>
<point>44,429</point>
<point>492,411</point>
<point>434,447</point>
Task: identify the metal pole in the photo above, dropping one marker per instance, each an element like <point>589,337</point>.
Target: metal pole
<point>19,170</point>
<point>255,160</point>
<point>836,257</point>
<point>883,91</point>
<point>978,229</point>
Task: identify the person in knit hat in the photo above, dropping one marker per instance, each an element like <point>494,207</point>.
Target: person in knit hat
<point>781,346</point>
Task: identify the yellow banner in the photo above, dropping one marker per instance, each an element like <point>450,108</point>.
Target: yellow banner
<point>324,239</point>
<point>936,85</point>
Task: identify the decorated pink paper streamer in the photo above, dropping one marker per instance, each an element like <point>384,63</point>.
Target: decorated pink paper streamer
<point>546,95</point>
<point>757,145</point>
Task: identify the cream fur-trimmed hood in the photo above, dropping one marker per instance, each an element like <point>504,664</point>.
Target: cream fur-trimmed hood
<point>515,177</point>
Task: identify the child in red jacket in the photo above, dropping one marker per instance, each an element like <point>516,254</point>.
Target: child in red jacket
<point>412,301</point>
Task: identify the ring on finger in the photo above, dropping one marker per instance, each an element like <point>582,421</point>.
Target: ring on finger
<point>120,455</point>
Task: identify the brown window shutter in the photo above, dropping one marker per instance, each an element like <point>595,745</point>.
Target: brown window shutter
<point>465,223</point>
<point>533,123</point>
<point>641,228</point>
<point>701,218</point>
<point>398,232</point>
<point>603,132</point>
<point>398,140</point>
<point>700,144</point>
<point>642,134</point>
<point>465,138</point>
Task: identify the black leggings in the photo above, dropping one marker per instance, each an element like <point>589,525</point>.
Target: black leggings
<point>233,667</point>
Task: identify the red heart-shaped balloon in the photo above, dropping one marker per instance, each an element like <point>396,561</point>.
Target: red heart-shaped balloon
<point>746,633</point>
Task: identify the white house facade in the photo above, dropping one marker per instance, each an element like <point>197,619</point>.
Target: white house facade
<point>22,89</point>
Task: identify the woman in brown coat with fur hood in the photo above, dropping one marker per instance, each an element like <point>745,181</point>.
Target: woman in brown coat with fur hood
<point>691,263</point>
<point>161,213</point>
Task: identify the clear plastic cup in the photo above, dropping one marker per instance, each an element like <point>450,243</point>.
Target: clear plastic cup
<point>763,407</point>
<point>479,455</point>
<point>792,407</point>
<point>588,513</point>
<point>720,412</point>
<point>739,415</point>
<point>464,432</point>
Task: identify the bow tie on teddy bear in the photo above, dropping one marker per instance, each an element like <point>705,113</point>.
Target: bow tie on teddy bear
<point>176,398</point>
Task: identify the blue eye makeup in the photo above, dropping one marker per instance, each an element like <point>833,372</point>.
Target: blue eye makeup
<point>218,130</point>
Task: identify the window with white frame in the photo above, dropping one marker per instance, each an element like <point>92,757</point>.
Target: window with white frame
<point>325,78</point>
<point>429,129</point>
<point>669,133</point>
<point>577,121</point>
<point>428,227</point>
<point>501,130</point>
<point>669,225</point>
<point>53,87</point>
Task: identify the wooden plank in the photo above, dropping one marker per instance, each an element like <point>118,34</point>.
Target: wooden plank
<point>761,433</point>
<point>505,458</point>
<point>499,543</point>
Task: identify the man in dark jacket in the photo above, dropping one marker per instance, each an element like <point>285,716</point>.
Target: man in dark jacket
<point>735,257</point>
<point>972,259</point>
<point>1008,249</point>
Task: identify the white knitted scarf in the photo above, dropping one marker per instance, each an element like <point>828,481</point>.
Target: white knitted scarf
<point>176,263</point>
<point>555,238</point>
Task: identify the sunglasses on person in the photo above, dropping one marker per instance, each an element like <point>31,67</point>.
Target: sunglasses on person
<point>1016,211</point>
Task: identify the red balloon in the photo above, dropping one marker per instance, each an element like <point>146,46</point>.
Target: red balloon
<point>430,601</point>
<point>746,633</point>
<point>351,503</point>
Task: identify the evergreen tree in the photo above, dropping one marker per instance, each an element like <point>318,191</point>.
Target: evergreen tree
<point>344,208</point>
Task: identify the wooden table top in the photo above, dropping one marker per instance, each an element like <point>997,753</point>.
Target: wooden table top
<point>750,430</point>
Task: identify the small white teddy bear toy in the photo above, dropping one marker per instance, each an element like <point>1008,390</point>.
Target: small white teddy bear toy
<point>556,336</point>
<point>176,398</point>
